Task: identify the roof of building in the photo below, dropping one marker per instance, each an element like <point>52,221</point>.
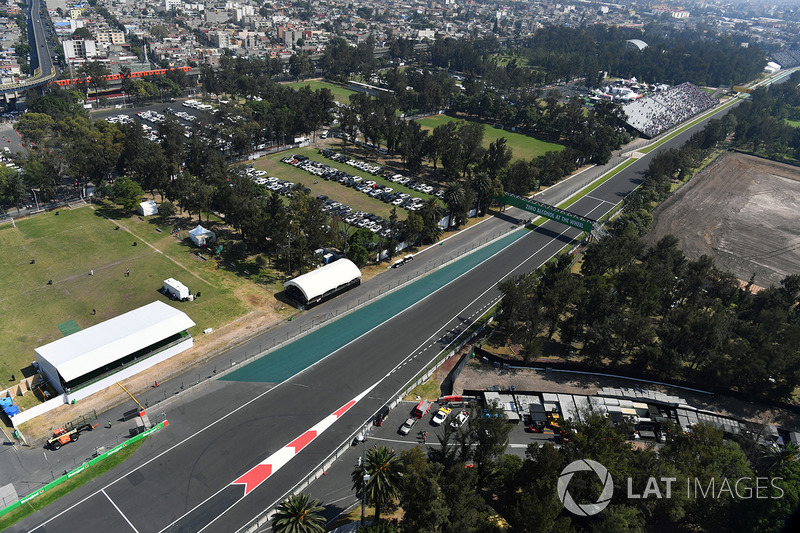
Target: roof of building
<point>638,43</point>
<point>331,276</point>
<point>97,346</point>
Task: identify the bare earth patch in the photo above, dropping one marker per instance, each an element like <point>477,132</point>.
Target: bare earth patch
<point>742,211</point>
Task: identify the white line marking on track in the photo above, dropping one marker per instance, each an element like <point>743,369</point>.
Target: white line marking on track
<point>118,510</point>
<point>234,411</point>
<point>599,199</point>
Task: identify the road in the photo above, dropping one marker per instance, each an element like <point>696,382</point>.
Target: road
<point>183,479</point>
<point>40,51</point>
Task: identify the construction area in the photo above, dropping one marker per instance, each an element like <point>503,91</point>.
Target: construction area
<point>741,211</point>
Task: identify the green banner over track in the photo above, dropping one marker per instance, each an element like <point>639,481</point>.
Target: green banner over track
<point>548,211</point>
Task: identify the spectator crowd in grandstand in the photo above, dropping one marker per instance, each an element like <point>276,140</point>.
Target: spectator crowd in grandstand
<point>656,114</point>
<point>787,58</point>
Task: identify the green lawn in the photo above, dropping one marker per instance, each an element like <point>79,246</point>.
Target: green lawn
<point>334,190</point>
<point>66,247</point>
<point>340,94</point>
<point>793,123</point>
<point>522,146</point>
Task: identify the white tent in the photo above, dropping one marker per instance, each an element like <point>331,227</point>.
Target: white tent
<point>201,236</point>
<point>147,208</point>
<point>73,357</point>
<point>324,281</point>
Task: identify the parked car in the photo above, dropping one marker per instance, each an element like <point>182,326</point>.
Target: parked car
<point>460,419</point>
<point>440,416</point>
<point>405,429</point>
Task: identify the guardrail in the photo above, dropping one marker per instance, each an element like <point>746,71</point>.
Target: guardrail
<point>421,377</point>
<point>82,468</point>
<point>30,82</point>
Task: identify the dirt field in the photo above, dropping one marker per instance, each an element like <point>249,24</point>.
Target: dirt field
<point>742,211</point>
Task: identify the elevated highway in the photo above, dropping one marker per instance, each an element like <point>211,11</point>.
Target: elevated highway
<point>41,60</point>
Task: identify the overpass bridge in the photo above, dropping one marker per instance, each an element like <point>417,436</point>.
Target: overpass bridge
<point>45,71</point>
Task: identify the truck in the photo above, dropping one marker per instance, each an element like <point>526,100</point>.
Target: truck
<point>67,434</point>
<point>421,409</point>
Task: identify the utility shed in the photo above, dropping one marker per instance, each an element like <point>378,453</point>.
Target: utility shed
<point>97,357</point>
<point>324,282</point>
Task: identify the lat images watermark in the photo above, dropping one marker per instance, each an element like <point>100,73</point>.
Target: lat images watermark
<point>585,509</point>
<point>743,488</point>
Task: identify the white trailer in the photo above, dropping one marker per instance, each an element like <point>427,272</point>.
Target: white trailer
<point>176,289</point>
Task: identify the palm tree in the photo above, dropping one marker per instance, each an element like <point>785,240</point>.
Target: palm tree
<point>298,514</point>
<point>454,196</point>
<point>482,186</point>
<point>385,471</point>
<point>431,214</point>
<point>774,457</point>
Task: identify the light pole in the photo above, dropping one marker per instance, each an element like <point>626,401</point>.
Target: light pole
<point>366,476</point>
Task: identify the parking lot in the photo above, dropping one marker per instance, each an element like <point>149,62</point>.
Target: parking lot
<point>388,434</point>
<point>374,181</point>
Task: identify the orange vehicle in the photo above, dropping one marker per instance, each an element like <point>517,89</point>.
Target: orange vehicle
<point>64,435</point>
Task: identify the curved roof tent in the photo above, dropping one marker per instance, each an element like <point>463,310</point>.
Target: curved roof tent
<point>638,44</point>
<point>325,279</point>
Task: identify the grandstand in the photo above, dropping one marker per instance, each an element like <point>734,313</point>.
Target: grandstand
<point>787,58</point>
<point>656,114</point>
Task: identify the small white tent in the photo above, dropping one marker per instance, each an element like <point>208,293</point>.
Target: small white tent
<point>201,236</point>
<point>148,208</point>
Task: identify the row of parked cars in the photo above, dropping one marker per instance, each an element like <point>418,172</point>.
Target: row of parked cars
<point>360,219</point>
<point>441,416</point>
<point>180,114</point>
<point>355,163</point>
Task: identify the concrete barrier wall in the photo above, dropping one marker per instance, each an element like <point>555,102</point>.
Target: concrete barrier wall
<point>132,370</point>
<point>36,410</point>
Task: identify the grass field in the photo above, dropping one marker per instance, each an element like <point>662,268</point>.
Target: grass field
<point>68,245</point>
<point>522,146</point>
<point>334,190</point>
<point>793,123</point>
<point>340,94</point>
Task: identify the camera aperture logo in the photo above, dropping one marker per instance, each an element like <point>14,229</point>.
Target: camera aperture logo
<point>585,509</point>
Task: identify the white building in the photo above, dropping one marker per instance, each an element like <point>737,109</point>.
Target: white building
<point>90,360</point>
<point>79,49</point>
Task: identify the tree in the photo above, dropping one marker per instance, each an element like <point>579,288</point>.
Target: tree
<point>82,33</point>
<point>126,193</point>
<point>357,248</point>
<point>431,214</point>
<point>299,514</point>
<point>455,197</point>
<point>35,127</point>
<point>159,32</point>
<point>300,65</point>
<point>424,508</point>
<point>95,71</point>
<point>385,471</point>
<point>489,431</point>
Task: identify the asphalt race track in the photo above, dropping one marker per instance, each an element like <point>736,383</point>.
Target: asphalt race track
<point>257,412</point>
